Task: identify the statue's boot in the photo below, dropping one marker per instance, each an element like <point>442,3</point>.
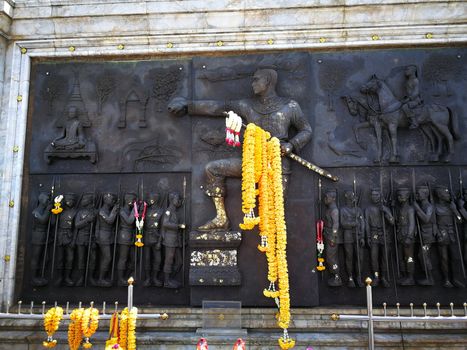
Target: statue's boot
<point>427,281</point>
<point>220,222</point>
<point>147,280</point>
<point>375,281</point>
<point>385,280</point>
<point>447,284</point>
<point>121,280</point>
<point>92,280</point>
<point>39,281</point>
<point>102,282</point>
<point>458,283</point>
<point>351,282</point>
<point>67,278</point>
<point>170,283</point>
<point>156,282</point>
<point>408,281</point>
<point>80,281</point>
<point>58,281</point>
<point>335,281</point>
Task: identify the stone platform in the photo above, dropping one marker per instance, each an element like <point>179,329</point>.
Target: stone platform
<point>310,327</point>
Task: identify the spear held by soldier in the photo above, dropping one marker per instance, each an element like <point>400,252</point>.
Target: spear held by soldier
<point>47,237</point>
<point>457,217</point>
<point>417,227</point>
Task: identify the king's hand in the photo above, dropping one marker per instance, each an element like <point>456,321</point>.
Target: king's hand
<point>178,106</point>
<point>286,148</point>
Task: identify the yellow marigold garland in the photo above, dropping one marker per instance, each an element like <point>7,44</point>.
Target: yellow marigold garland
<point>128,329</point>
<point>248,179</point>
<point>51,322</point>
<point>89,324</point>
<point>263,186</point>
<point>281,237</point>
<point>75,332</point>
<point>262,164</point>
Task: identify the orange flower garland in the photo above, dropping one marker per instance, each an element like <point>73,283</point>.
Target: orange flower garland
<point>75,332</point>
<point>51,322</point>
<point>128,329</point>
<point>89,324</point>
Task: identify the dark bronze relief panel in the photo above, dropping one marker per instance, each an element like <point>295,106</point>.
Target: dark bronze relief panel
<point>390,124</point>
<point>77,267</point>
<point>108,117</point>
<point>360,96</point>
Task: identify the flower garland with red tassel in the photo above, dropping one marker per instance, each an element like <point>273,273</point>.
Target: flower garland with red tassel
<point>139,222</point>
<point>262,165</point>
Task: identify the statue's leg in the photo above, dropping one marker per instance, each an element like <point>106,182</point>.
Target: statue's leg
<point>147,265</point>
<point>168,267</point>
<point>81,249</point>
<point>36,257</point>
<point>69,255</point>
<point>374,253</point>
<point>332,258</point>
<point>156,266</point>
<point>59,264</point>
<point>456,265</point>
<point>216,172</point>
<point>349,261</point>
<point>444,262</point>
<point>393,134</point>
<point>123,251</point>
<point>105,260</point>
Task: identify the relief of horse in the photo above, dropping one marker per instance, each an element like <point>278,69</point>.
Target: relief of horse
<point>439,124</point>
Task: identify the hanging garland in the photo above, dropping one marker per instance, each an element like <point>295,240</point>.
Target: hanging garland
<point>248,179</point>
<point>51,322</point>
<point>57,209</point>
<point>112,342</point>
<point>75,332</point>
<point>320,245</point>
<point>128,329</point>
<point>262,165</point>
<point>139,222</point>
<point>89,324</point>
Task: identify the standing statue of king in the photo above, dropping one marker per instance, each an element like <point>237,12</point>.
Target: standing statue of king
<point>267,110</point>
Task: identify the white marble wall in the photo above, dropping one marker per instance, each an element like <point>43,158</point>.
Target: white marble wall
<point>154,28</point>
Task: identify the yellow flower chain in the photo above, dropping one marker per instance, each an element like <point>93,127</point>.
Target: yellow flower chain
<point>51,322</point>
<point>271,292</point>
<point>281,237</point>
<point>89,324</point>
<point>264,200</point>
<point>75,332</point>
<point>262,165</point>
<point>248,179</point>
<point>128,329</point>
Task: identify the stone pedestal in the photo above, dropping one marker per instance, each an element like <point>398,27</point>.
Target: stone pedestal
<point>213,258</point>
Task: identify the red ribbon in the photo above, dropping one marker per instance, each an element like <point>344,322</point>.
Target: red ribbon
<point>319,231</point>
<point>136,209</point>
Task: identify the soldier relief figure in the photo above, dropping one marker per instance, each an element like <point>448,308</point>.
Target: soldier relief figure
<point>153,239</point>
<point>84,220</point>
<point>450,257</point>
<point>65,240</point>
<point>41,216</point>
<point>269,111</point>
<point>353,228</point>
<point>377,215</point>
<point>331,237</point>
<point>104,236</point>
<point>171,238</point>
<point>405,220</point>
<point>425,214</point>
<point>125,235</point>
